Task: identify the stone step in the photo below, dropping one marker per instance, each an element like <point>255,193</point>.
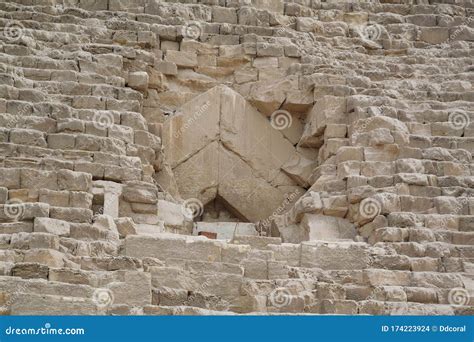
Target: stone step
<point>392,234</point>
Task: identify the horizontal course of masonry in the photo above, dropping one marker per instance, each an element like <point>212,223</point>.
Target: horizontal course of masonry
<point>236,156</point>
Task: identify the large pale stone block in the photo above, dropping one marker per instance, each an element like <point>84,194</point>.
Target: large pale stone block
<point>195,125</point>
<point>198,176</point>
<point>319,227</point>
<point>47,225</point>
<point>226,230</point>
<point>252,197</point>
<point>170,213</point>
<point>332,256</point>
<point>248,133</point>
<point>327,110</point>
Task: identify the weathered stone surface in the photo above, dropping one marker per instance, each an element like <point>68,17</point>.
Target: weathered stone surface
<point>47,225</point>
<point>226,230</point>
<point>322,150</point>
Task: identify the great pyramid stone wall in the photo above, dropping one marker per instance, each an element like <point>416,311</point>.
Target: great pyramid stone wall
<point>236,157</point>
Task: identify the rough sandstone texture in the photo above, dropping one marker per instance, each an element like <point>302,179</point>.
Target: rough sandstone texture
<point>327,146</point>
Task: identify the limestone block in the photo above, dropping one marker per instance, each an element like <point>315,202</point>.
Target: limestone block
<point>61,141</point>
<point>106,222</point>
<point>125,226</point>
<point>54,198</point>
<point>196,126</point>
<point>131,287</point>
<point>10,178</point>
<point>224,285</point>
<point>346,153</point>
<point>76,181</point>
<point>319,227</point>
<point>255,268</point>
<point>276,6</point>
<point>52,226</point>
<point>379,277</point>
<point>259,143</point>
<point>27,137</point>
<point>79,199</point>
<point>38,304</point>
<point>23,211</point>
<point>226,230</point>
<point>79,215</point>
<point>306,24</point>
<point>28,270</point>
<point>268,96</point>
<point>234,253</point>
<point>224,15</point>
<point>35,179</point>
<point>251,16</point>
<point>167,68</point>
<point>138,80</point>
<point>382,153</point>
<point>3,195</point>
<point>172,277</point>
<point>299,169</point>
<point>252,197</point>
<point>292,233</point>
<point>327,110</point>
<point>140,192</point>
<point>181,59</point>
<point>48,257</point>
<point>200,248</point>
<point>309,203</point>
<point>341,256</point>
<point>155,228</point>
<point>161,247</point>
<point>434,35</point>
<point>72,276</point>
<point>147,139</point>
<point>198,177</point>
<point>170,213</point>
